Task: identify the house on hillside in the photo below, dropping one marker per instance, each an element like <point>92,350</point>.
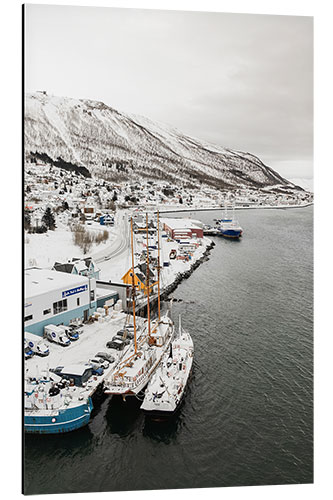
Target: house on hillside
<point>89,211</point>
<point>83,267</point>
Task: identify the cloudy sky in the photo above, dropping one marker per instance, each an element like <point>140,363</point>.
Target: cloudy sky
<point>242,81</point>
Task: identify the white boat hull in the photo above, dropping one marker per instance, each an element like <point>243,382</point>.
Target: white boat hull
<point>166,389</point>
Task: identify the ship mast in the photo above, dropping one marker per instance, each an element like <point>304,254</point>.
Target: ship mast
<point>133,288</point>
<point>147,279</point>
<point>158,266</point>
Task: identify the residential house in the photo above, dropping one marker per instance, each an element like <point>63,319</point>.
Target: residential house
<point>140,279</point>
<point>82,267</point>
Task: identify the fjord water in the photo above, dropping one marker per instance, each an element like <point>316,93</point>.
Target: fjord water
<point>247,417</point>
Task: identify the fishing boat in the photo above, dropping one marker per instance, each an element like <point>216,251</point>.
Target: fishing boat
<point>145,353</point>
<point>166,388</point>
<point>229,227</point>
<point>209,230</point>
<point>55,408</point>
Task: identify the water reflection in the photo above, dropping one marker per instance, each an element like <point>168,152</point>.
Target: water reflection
<point>66,443</point>
<point>161,430</point>
<point>123,417</point>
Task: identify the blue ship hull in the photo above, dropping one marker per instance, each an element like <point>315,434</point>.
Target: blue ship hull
<point>67,419</point>
<point>230,233</point>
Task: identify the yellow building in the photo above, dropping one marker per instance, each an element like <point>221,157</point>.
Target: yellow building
<point>139,280</point>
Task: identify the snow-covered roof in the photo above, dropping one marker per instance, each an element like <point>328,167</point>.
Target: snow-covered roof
<point>182,223</point>
<point>104,292</point>
<point>74,369</point>
<point>66,268</point>
<point>80,265</point>
<point>39,281</point>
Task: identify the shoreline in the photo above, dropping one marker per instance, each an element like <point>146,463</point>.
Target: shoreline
<point>179,277</point>
<point>256,207</point>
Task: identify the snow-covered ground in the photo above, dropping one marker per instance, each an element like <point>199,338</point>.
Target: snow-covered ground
<point>113,257</point>
<point>92,341</point>
<point>43,250</point>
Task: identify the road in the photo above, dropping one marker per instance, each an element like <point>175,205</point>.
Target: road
<point>121,240</point>
<point>114,260</point>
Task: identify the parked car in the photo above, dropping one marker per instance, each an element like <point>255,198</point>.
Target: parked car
<point>41,349</point>
<point>126,340</point>
<point>28,353</point>
<point>106,356</point>
<point>76,328</point>
<point>36,344</point>
<point>98,370</point>
<point>98,362</point>
<point>116,343</point>
<point>71,333</point>
<point>126,334</point>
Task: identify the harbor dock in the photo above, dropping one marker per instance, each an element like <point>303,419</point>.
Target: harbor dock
<point>102,308</point>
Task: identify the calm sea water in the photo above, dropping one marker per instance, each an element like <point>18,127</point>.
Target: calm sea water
<point>248,415</point>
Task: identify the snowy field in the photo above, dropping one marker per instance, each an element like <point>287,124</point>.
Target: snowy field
<point>43,250</point>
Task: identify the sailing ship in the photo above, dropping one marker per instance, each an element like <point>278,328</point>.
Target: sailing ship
<point>166,388</point>
<point>229,227</point>
<point>150,342</point>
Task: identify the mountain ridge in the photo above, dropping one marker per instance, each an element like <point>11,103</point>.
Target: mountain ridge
<point>117,146</point>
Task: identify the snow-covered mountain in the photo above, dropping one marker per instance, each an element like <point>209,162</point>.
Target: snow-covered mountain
<point>96,139</point>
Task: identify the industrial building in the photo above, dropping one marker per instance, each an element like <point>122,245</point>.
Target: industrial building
<point>182,228</point>
<point>53,297</point>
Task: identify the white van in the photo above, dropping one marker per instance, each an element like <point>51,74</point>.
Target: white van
<point>71,333</point>
<point>56,334</point>
<point>36,344</point>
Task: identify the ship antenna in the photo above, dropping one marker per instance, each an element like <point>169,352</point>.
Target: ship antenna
<point>158,266</point>
<point>147,279</point>
<point>133,288</point>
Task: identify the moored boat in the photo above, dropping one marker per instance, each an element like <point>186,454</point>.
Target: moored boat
<point>49,409</point>
<point>144,355</point>
<point>229,227</point>
<point>166,388</point>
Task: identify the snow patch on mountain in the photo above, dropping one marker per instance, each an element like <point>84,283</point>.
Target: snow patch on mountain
<point>118,146</point>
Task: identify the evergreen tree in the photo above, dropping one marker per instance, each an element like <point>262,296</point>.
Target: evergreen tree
<point>27,220</point>
<point>48,219</point>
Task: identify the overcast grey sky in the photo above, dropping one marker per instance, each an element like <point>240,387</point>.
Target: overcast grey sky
<point>241,81</point>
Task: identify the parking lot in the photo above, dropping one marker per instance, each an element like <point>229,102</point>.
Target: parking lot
<point>91,341</point>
